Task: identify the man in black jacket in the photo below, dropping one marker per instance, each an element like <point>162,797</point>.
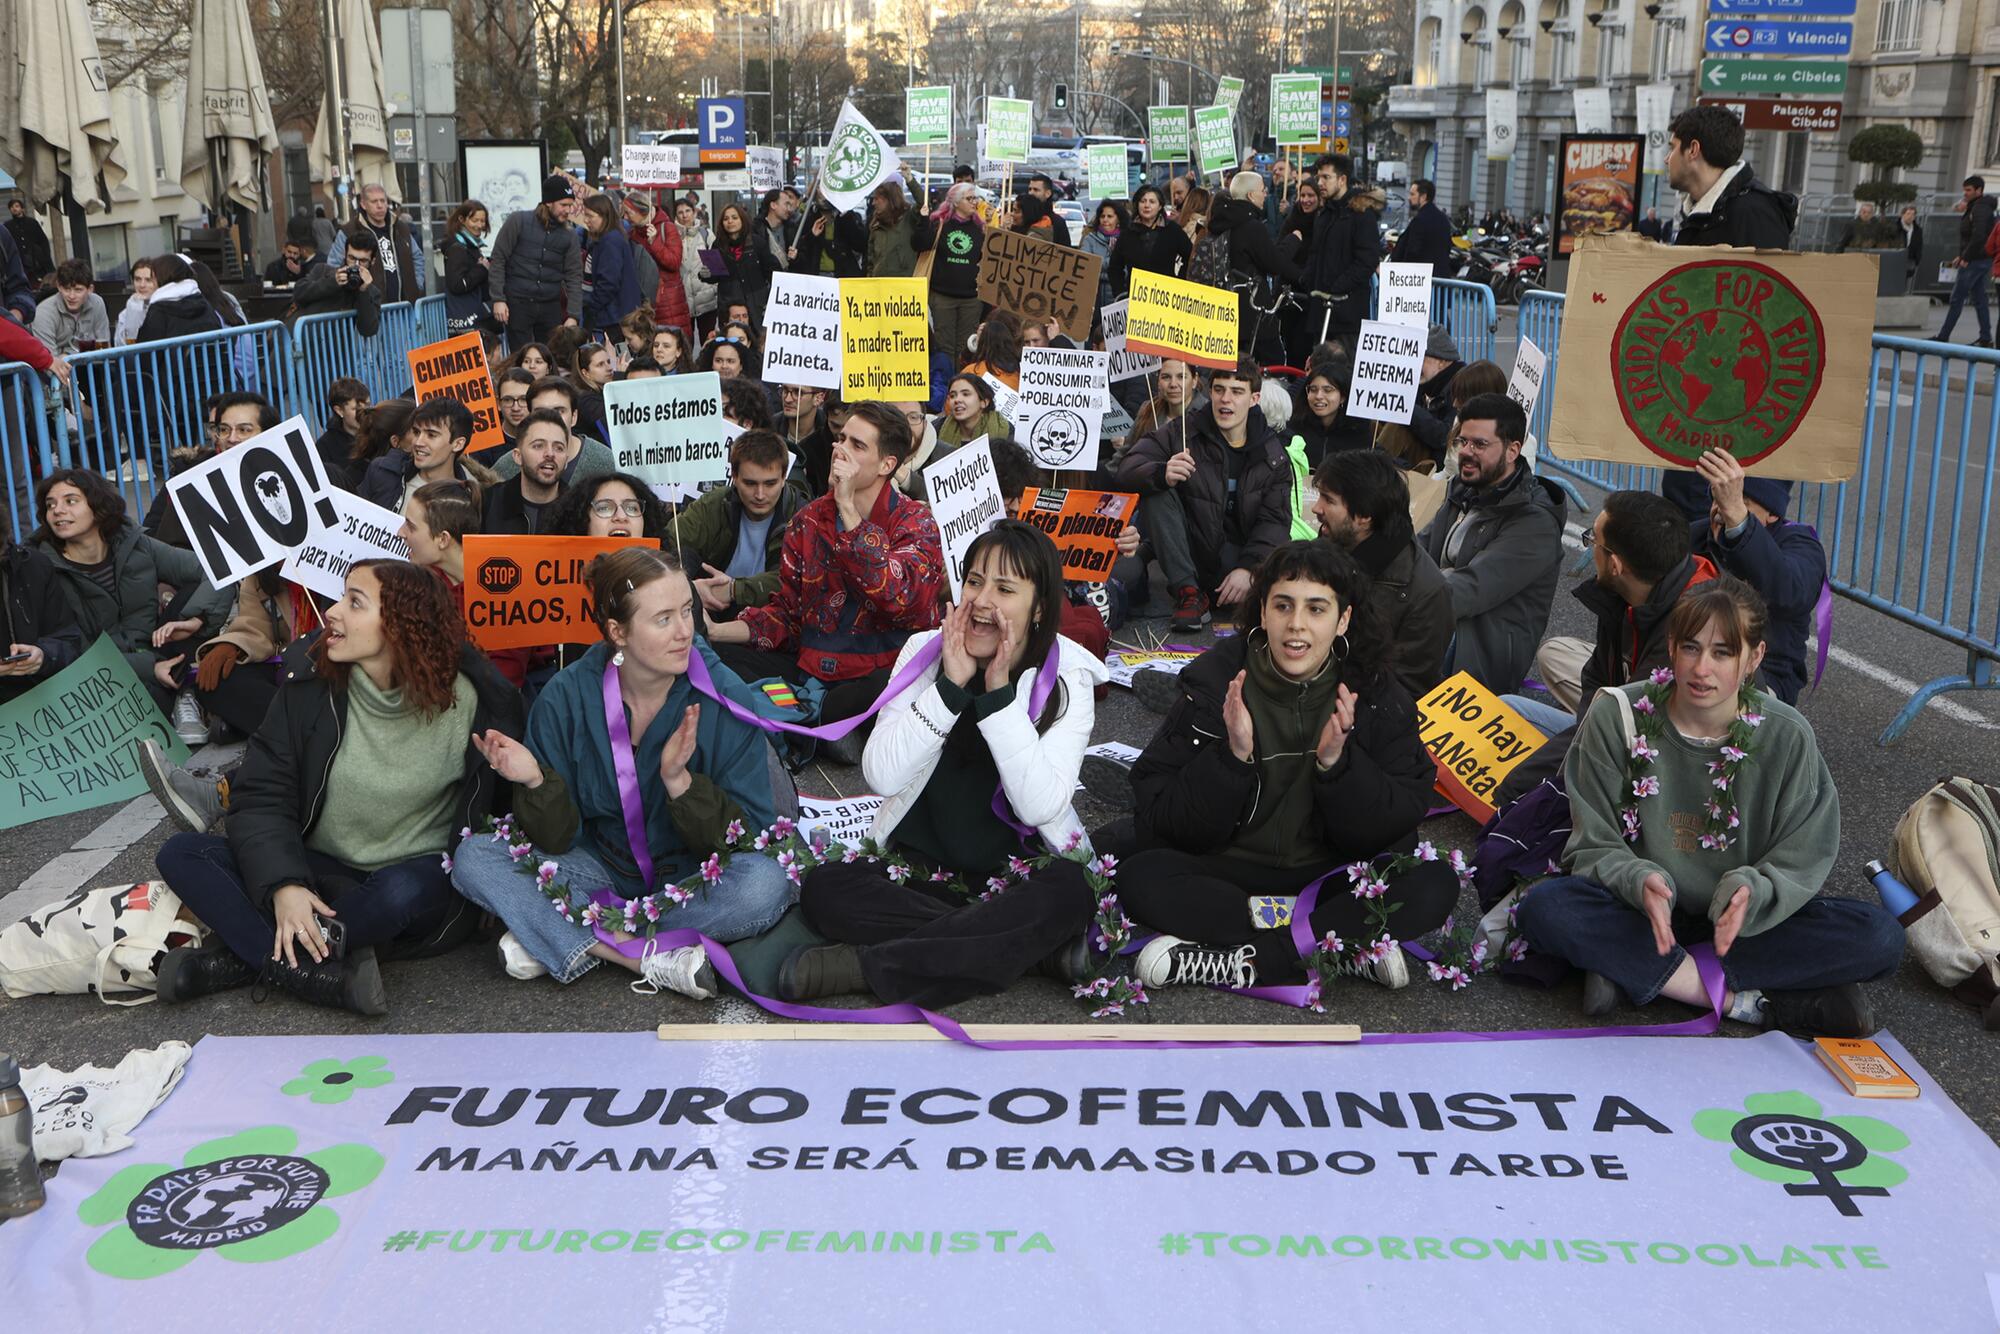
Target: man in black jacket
<point>1044,189</point>
<point>1346,245</point>
<point>1426,238</point>
<point>391,244</point>
<point>1974,265</point>
<point>37,260</point>
<point>1364,507</point>
<point>349,287</point>
<point>297,258</point>
<point>38,625</point>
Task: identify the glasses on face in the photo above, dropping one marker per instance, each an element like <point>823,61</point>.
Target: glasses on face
<point>1481,443</point>
<point>513,398</point>
<point>239,431</point>
<point>611,509</point>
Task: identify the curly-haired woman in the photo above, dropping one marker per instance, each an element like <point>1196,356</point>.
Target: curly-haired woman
<point>349,797</point>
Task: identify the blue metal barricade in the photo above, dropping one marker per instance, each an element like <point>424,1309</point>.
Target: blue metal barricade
<point>430,320</point>
<point>24,442</point>
<point>1469,315</point>
<point>327,347</point>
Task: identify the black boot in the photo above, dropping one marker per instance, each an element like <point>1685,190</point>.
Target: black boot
<point>820,970</point>
<point>353,984</point>
<point>1069,963</point>
<point>200,971</point>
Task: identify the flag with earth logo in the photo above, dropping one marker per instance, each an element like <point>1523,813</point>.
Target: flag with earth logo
<point>857,160</point>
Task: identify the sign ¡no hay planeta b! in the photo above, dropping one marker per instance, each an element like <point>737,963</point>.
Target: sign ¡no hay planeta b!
<point>1763,353</point>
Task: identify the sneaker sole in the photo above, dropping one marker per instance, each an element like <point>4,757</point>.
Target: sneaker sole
<point>1107,782</point>
<point>1159,691</point>
<point>1394,971</point>
<point>365,992</point>
<point>1148,966</point>
<point>182,814</point>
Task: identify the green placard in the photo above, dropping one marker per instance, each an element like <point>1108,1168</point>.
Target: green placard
<point>1167,133</point>
<point>926,116</point>
<point>1105,171</point>
<point>1295,108</point>
<point>1822,78</point>
<point>1215,133</point>
<point>1010,126</point>
<point>1228,92</point>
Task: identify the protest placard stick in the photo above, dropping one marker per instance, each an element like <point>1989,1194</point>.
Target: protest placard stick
<point>1312,1034</point>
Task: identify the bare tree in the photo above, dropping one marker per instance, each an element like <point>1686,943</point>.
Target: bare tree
<point>813,83</point>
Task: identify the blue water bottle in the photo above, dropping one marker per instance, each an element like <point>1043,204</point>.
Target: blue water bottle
<point>1897,897</point>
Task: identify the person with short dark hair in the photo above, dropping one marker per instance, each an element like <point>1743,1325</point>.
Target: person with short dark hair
<point>1363,507</point>
<point>434,443</point>
<point>1722,201</point>
<point>732,537</point>
<point>587,459</point>
<point>346,400</point>
<point>519,503</point>
<point>535,271</point>
<point>1320,418</point>
<point>74,319</point>
<point>1042,187</point>
<point>1747,536</point>
<point>40,633</point>
<point>1973,261</point>
<point>30,240</point>
<point>297,257</point>
<point>1426,237</point>
<point>347,283</point>
<point>398,259</point>
<point>1346,245</point>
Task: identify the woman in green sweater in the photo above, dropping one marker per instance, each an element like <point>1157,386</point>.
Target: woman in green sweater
<point>968,414</point>
<point>1702,810</point>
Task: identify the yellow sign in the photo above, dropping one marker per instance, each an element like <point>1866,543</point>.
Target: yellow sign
<point>885,340</point>
<point>1474,740</point>
<point>1191,322</point>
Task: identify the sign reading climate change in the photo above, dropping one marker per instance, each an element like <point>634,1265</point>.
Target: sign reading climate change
<point>525,591</point>
<point>669,430</point>
<point>601,1180</point>
<point>456,368</point>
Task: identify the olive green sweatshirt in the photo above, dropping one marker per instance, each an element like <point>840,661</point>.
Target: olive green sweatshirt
<point>1784,850</point>
<point>393,790</point>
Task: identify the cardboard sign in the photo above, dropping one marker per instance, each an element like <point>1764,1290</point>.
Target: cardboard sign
<point>1124,666</point>
<point>1295,108</point>
<point>1388,367</point>
<point>926,116</point>
<point>885,335</point>
<point>1125,363</point>
<point>1104,168</point>
<point>1474,740</point>
<point>845,820</point>
<point>650,164</point>
<point>1010,128</point>
<point>802,331</point>
<point>250,505</point>
<point>1405,295</point>
<point>1598,191</point>
<point>68,744</point>
<point>1167,134</point>
<point>532,592</point>
<point>1039,280</point>
<point>456,368</point>
<point>1085,526</point>
<point>1671,351</point>
<point>361,530</point>
<point>669,430</point>
<point>1184,321</point>
<point>1061,413</point>
<point>1524,386</point>
<point>1215,138</point>
<point>964,493</point>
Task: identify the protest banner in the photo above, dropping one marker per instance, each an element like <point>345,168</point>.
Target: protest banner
<point>525,591</point>
<point>1125,363</point>
<point>885,339</point>
<point>1064,393</point>
<point>247,507</point>
<point>456,368</point>
<point>1229,92</point>
<point>1123,666</point>
<point>844,819</point>
<point>1039,280</point>
<point>1475,740</point>
<point>1388,367</point>
<point>767,167</point>
<point>926,116</point>
<point>802,331</point>
<point>1106,173</point>
<point>1181,320</point>
<point>1010,128</point>
<point>1503,113</point>
<point>361,530</point>
<point>1593,109</point>
<point>668,430</point>
<point>965,501</point>
<point>1671,351</point>
<point>1215,138</point>
<point>650,164</point>
<point>1598,189</point>
<point>1167,134</point>
<point>1524,386</point>
<point>1405,294</point>
<point>1295,109</point>
<point>857,159</point>
<point>70,743</point>
<point>1084,524</point>
<point>1005,401</point>
<point>1117,422</point>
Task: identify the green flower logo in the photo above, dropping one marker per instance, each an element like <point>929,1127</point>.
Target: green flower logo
<point>1781,1137</point>
<point>245,1196</point>
<point>337,1081</point>
<point>853,159</point>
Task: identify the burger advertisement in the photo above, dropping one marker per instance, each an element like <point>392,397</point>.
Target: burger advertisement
<point>1599,186</point>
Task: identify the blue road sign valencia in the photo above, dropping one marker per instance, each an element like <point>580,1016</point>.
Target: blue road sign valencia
<point>1779,39</point>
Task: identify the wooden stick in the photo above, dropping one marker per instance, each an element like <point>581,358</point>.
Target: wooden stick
<point>1298,1034</point>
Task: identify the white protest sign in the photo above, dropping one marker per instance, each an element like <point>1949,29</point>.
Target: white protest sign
<point>965,500</point>
<point>857,160</point>
<point>802,331</point>
<point>1124,365</point>
<point>1064,393</point>
<point>1117,422</point>
<point>1405,294</point>
<point>668,430</point>
<point>250,505</point>
<point>1005,401</point>
<point>1123,666</point>
<point>767,167</point>
<point>363,530</point>
<point>844,819</point>
<point>1524,386</point>
<point>1388,367</point>
<point>650,164</point>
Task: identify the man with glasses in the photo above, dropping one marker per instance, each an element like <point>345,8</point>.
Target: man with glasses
<point>806,421</point>
<point>512,390</point>
<point>585,460</point>
<point>1498,540</point>
<point>732,536</point>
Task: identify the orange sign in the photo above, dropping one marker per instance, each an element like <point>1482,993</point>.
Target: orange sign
<point>532,592</point>
<point>456,368</point>
<point>1085,526</point>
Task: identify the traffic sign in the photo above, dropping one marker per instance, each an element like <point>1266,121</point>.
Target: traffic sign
<point>1728,36</point>
<point>1762,113</point>
<point>1785,8</point>
<point>1772,78</point>
<point>1340,144</point>
<point>724,131</point>
<point>1343,117</point>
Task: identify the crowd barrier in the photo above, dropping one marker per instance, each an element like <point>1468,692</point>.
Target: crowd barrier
<point>24,442</point>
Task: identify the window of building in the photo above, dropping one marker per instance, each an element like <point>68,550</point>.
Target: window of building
<point>1430,50</point>
<point>1898,24</point>
<point>1564,55</point>
<point>157,134</point>
<point>1993,121</point>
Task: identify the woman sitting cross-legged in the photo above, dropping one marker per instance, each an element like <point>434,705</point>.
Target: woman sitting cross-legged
<point>1291,753</point>
<point>620,738</point>
<point>1702,810</point>
<point>348,798</point>
<point>965,762</point>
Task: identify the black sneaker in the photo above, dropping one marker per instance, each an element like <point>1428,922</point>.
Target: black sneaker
<point>848,749</point>
<point>353,984</point>
<point>1600,995</point>
<point>1158,690</point>
<point>1108,780</point>
<point>1190,608</point>
<point>193,971</point>
<point>1070,963</point>
<point>1168,961</point>
<point>1821,1012</point>
<point>813,971</point>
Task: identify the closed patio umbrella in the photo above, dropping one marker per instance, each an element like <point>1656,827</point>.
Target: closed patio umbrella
<point>228,124</point>
<point>359,84</point>
<point>64,123</point>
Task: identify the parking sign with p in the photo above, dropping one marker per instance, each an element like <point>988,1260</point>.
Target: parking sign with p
<point>724,131</point>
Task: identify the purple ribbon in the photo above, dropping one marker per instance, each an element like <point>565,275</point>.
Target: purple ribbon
<point>1823,628</point>
<point>628,779</point>
<point>699,677</point>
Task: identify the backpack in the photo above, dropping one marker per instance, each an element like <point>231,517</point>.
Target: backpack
<point>1209,264</point>
<point>648,270</point>
<point>1948,851</point>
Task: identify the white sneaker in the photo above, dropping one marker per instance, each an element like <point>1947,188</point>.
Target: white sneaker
<point>1392,972</point>
<point>1168,961</point>
<point>685,971</point>
<point>188,724</point>
<point>519,964</point>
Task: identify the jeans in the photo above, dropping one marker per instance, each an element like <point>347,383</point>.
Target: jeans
<point>749,899</point>
<point>1828,942</point>
<point>926,945</point>
<point>1970,282</point>
<point>1544,718</point>
<point>406,911</point>
<point>1163,520</point>
<point>1206,899</point>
